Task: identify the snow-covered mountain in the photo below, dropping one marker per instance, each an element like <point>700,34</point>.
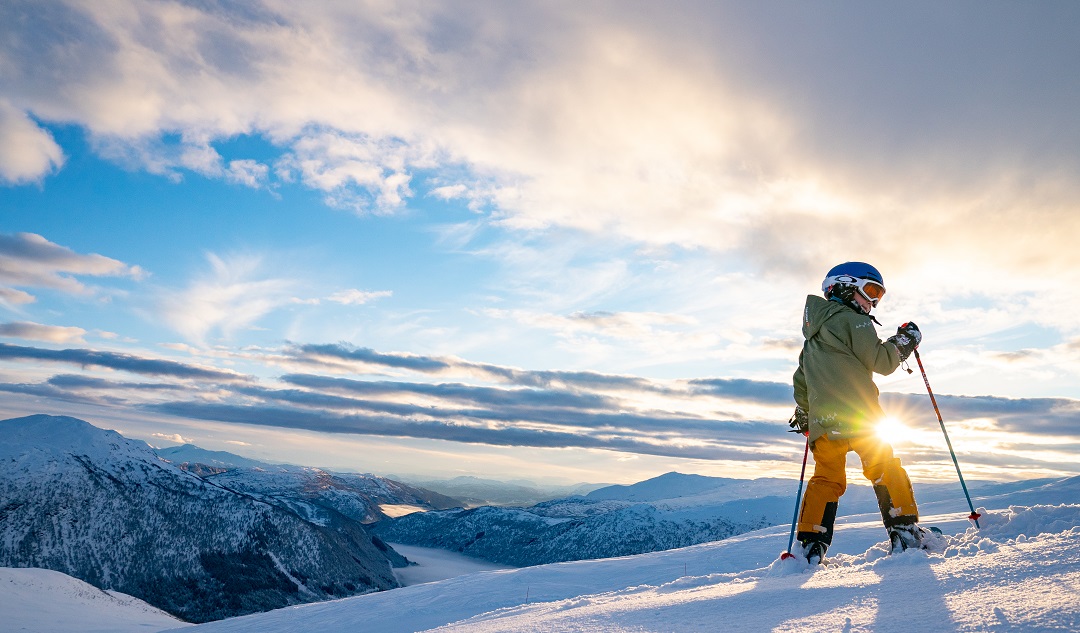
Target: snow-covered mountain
<point>310,492</point>
<point>475,491</point>
<point>578,528</point>
<point>665,512</point>
<point>96,506</point>
<point>202,461</point>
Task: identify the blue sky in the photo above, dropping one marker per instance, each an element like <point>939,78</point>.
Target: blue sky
<point>535,239</point>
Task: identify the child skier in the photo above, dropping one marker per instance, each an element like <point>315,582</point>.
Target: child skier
<point>837,402</point>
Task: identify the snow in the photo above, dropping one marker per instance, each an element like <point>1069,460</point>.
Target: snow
<point>44,601</point>
<point>1019,572</point>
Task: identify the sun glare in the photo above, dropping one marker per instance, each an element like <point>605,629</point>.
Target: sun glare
<point>893,431</point>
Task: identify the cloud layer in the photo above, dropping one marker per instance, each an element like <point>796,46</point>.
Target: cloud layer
<point>718,420</point>
<point>720,125</point>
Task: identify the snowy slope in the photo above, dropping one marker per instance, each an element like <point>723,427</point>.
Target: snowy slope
<point>999,579</point>
<point>42,600</point>
<point>1020,572</point>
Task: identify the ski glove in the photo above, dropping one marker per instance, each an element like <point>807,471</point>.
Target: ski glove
<point>799,422</point>
<point>906,339</point>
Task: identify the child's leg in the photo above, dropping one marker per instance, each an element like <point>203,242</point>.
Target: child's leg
<point>823,491</point>
<point>896,499</point>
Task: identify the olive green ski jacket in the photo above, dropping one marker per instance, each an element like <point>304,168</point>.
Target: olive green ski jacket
<point>834,382</point>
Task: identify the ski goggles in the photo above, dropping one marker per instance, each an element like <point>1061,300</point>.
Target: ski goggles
<point>871,290</point>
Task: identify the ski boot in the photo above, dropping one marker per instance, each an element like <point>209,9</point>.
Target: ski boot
<point>905,537</point>
<point>815,552</point>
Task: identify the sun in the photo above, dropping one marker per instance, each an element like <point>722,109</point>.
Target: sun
<point>892,430</point>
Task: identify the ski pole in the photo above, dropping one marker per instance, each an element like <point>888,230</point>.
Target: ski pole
<point>798,497</point>
<point>974,516</point>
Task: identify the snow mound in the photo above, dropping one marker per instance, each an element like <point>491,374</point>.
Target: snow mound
<point>47,601</point>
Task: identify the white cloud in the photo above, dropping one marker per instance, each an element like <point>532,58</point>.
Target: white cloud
<point>449,192</point>
<point>27,152</point>
<point>358,297</point>
<point>31,261</point>
<point>233,296</point>
<point>38,332</point>
<point>247,172</point>
<point>173,437</point>
<point>356,171</point>
<point>14,297</point>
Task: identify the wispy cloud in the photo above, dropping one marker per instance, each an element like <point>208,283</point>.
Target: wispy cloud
<point>12,297</point>
<point>448,430</point>
<point>39,332</point>
<point>28,260</point>
<point>77,382</point>
<point>353,296</point>
<point>774,393</point>
<point>339,354</point>
<point>233,295</point>
<point>114,360</point>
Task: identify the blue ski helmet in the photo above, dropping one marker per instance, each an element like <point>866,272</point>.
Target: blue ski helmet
<point>854,276</point>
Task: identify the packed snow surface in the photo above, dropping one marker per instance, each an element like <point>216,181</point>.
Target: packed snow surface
<point>1019,572</point>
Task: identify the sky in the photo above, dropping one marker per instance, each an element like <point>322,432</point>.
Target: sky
<point>538,240</point>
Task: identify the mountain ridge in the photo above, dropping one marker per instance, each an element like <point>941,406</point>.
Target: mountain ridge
<point>107,510</point>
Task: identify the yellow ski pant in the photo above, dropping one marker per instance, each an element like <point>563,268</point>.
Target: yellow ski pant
<point>891,483</point>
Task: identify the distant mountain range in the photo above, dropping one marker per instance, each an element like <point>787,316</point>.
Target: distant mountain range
<point>673,510</point>
<point>665,512</point>
<point>313,493</point>
<point>472,492</point>
<point>107,510</point>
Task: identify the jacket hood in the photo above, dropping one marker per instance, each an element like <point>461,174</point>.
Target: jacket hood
<point>818,310</point>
